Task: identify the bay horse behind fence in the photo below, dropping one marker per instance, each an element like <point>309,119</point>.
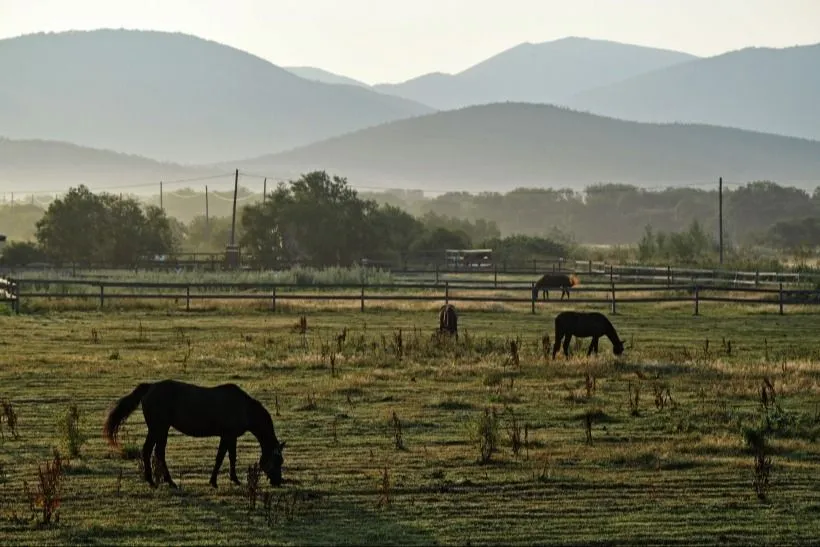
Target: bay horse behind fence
<point>223,411</point>
<point>554,281</point>
<point>584,325</point>
<point>448,320</point>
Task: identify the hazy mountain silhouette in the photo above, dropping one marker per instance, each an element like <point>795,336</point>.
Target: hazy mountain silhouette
<point>536,73</point>
<point>503,146</point>
<point>172,97</point>
<point>38,165</point>
<point>762,89</point>
<point>321,75</point>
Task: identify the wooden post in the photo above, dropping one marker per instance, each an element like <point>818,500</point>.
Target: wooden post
<point>207,215</point>
<point>697,300</point>
<point>362,301</point>
<point>187,298</point>
<point>273,300</point>
<point>16,293</point>
<point>781,298</point>
<point>102,295</point>
<point>668,276</point>
<point>495,276</point>
<point>436,273</point>
<point>160,196</point>
<point>611,273</point>
<point>613,299</point>
<point>589,267</point>
<point>533,296</point>
<point>757,277</point>
<point>264,190</point>
<point>446,292</point>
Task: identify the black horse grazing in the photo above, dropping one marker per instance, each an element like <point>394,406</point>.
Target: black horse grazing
<point>223,411</point>
<point>554,281</point>
<point>448,320</point>
<point>584,325</point>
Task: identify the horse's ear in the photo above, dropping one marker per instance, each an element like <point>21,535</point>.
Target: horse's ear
<point>282,445</point>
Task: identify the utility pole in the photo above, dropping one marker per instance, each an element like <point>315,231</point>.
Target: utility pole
<point>264,189</point>
<point>207,216</point>
<point>160,196</point>
<point>233,215</point>
<point>232,251</point>
<point>720,218</point>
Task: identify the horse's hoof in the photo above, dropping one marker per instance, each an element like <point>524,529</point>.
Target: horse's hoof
<point>173,485</point>
<point>236,481</point>
<point>212,483</point>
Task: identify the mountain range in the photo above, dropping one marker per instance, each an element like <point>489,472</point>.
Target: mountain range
<point>114,106</point>
<point>503,146</point>
<point>548,72</point>
<point>173,97</point>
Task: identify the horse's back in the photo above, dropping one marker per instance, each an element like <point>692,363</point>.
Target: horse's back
<point>199,411</point>
<point>579,323</point>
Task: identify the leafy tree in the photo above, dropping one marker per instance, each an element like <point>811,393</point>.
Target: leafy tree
<point>86,227</point>
<point>73,228</point>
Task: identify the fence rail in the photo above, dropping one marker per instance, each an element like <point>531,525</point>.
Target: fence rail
<point>446,292</point>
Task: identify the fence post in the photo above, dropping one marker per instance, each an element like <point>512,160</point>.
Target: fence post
<point>15,291</point>
<point>495,276</point>
<point>273,300</point>
<point>668,276</point>
<point>102,295</point>
<point>611,273</point>
<point>781,298</point>
<point>697,300</point>
<point>533,295</point>
<point>436,273</point>
<point>187,298</point>
<point>446,292</point>
<point>613,299</point>
<point>362,301</point>
<point>589,267</point>
<point>757,277</point>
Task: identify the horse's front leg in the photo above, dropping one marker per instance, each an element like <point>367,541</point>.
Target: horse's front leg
<point>232,459</point>
<point>162,440</point>
<point>220,456</point>
<point>147,448</point>
<point>566,344</point>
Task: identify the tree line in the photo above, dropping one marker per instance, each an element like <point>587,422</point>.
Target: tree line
<point>320,219</point>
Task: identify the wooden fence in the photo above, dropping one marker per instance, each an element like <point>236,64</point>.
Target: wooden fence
<point>449,291</point>
<point>586,270</point>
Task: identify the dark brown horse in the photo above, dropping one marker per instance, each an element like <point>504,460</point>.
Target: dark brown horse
<point>448,320</point>
<point>584,325</point>
<point>554,281</point>
<point>223,411</point>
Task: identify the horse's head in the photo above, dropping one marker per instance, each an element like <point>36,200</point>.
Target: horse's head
<point>618,348</point>
<point>271,463</point>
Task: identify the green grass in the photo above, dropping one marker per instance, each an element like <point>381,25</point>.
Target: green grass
<point>678,475</point>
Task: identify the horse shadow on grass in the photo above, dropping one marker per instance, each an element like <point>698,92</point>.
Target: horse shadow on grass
<point>316,518</point>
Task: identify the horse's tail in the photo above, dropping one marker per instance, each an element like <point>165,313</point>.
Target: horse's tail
<point>573,280</point>
<point>122,409</point>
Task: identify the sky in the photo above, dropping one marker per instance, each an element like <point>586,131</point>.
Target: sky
<point>379,41</point>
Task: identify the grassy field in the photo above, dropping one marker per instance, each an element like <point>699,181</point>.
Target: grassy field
<point>663,459</point>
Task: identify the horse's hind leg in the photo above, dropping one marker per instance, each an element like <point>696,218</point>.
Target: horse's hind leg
<point>556,345</point>
<point>220,456</point>
<point>147,448</point>
<point>232,458</point>
<point>162,440</point>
